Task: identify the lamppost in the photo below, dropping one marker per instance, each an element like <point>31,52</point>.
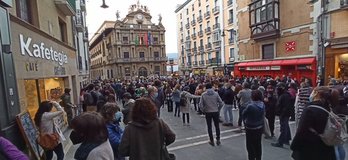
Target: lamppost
<point>231,40</point>
<point>104,5</point>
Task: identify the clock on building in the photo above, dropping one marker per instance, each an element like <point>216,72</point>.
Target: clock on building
<point>140,17</point>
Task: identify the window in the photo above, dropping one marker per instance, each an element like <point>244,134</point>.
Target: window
<point>125,39</point>
<point>268,51</point>
<point>193,7</point>
<point>193,17</point>
<point>207,8</point>
<point>264,18</point>
<point>194,31</point>
<point>199,3</point>
<point>199,13</point>
<point>201,42</point>
<point>209,55</point>
<point>216,3</point>
<point>188,20</point>
<point>200,27</point>
<point>127,71</point>
<point>209,40</point>
<point>125,54</point>
<point>63,31</point>
<point>187,11</point>
<point>155,39</point>
<point>156,54</point>
<point>194,45</point>
<point>180,15</point>
<point>157,70</point>
<point>232,35</point>
<point>230,20</point>
<point>217,20</point>
<point>24,10</point>
<point>141,54</point>
<point>208,23</point>
<point>231,52</point>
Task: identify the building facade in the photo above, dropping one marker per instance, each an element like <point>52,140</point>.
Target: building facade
<point>333,45</point>
<point>200,44</point>
<point>44,52</point>
<point>129,48</point>
<point>277,38</point>
<point>81,41</point>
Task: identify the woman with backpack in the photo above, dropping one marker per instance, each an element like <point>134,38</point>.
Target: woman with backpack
<point>307,144</point>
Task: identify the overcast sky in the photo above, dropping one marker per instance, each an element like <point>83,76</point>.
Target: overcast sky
<point>97,15</point>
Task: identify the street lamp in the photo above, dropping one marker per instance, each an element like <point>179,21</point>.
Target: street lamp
<point>104,5</point>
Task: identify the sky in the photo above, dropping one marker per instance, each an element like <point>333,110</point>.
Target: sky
<point>97,15</point>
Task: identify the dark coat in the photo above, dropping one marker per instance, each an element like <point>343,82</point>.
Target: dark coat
<point>142,141</point>
<point>270,105</point>
<point>285,105</point>
<point>306,144</point>
<point>228,96</point>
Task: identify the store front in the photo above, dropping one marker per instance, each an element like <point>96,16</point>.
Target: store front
<point>336,62</point>
<point>44,66</point>
<point>299,68</point>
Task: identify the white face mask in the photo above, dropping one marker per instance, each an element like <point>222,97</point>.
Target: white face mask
<point>311,97</point>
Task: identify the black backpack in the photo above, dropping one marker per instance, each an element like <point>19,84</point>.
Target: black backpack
<point>183,100</point>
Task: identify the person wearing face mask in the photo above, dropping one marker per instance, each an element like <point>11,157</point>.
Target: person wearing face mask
<point>113,116</point>
<point>307,144</point>
<point>152,95</point>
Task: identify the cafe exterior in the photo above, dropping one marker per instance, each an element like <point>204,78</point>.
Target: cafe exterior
<point>299,68</point>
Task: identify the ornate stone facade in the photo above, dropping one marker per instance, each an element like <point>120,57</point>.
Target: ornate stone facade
<point>129,48</point>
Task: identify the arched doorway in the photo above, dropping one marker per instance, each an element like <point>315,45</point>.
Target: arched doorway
<point>142,72</point>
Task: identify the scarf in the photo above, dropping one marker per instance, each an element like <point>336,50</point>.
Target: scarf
<point>83,151</point>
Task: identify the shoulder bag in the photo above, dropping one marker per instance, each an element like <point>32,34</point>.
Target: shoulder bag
<point>164,152</point>
<point>48,141</point>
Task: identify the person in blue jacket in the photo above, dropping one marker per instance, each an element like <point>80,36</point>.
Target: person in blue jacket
<point>112,115</point>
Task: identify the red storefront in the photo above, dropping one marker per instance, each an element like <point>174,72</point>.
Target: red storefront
<point>300,67</point>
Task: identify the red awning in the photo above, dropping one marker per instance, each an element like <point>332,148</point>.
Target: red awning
<point>284,62</point>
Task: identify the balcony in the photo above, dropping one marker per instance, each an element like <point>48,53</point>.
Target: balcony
<point>208,46</point>
<point>83,5</point>
<point>207,15</point>
<point>187,26</point>
<point>230,21</point>
<point>231,41</point>
<point>199,19</point>
<point>189,64</point>
<point>344,4</point>
<point>216,10</point>
<point>66,6</point>
<point>200,33</point>
<point>201,49</point>
<point>217,45</point>
<point>195,63</point>
<point>215,62</point>
<point>125,42</point>
<point>201,62</point>
<point>187,38</point>
<point>216,26</point>
<point>193,36</point>
<point>194,50</point>
<point>193,22</point>
<point>208,61</point>
<point>188,50</point>
<point>79,22</point>
<point>85,35</point>
<point>208,30</point>
<point>264,29</point>
<point>182,40</point>
<point>229,2</point>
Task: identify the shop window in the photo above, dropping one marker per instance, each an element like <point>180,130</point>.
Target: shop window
<point>63,31</point>
<point>38,90</point>
<point>268,51</point>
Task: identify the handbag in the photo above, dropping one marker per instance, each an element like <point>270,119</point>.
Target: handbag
<point>48,141</point>
<point>266,129</point>
<point>164,152</point>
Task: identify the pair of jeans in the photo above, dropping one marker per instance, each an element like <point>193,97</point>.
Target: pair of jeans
<point>170,105</point>
<point>240,118</point>
<point>188,117</point>
<point>253,143</point>
<point>195,104</point>
<point>209,117</point>
<point>228,115</point>
<point>177,109</point>
<point>285,134</point>
<point>58,150</point>
<point>271,119</point>
<point>340,152</point>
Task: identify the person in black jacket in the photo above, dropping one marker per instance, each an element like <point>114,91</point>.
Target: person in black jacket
<point>283,110</point>
<point>307,144</point>
<point>228,98</point>
<point>270,101</point>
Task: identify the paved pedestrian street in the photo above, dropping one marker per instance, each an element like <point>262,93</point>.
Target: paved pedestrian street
<point>192,141</point>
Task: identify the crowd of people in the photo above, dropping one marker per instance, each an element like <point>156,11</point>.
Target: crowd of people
<point>137,104</point>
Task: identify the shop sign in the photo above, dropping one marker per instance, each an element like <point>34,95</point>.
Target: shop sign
<point>242,68</point>
<point>59,70</point>
<point>31,67</point>
<point>196,72</point>
<point>304,67</point>
<point>258,68</point>
<point>203,71</point>
<point>41,51</point>
<point>275,68</point>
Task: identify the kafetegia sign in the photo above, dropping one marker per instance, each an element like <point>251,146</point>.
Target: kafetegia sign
<point>41,51</point>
